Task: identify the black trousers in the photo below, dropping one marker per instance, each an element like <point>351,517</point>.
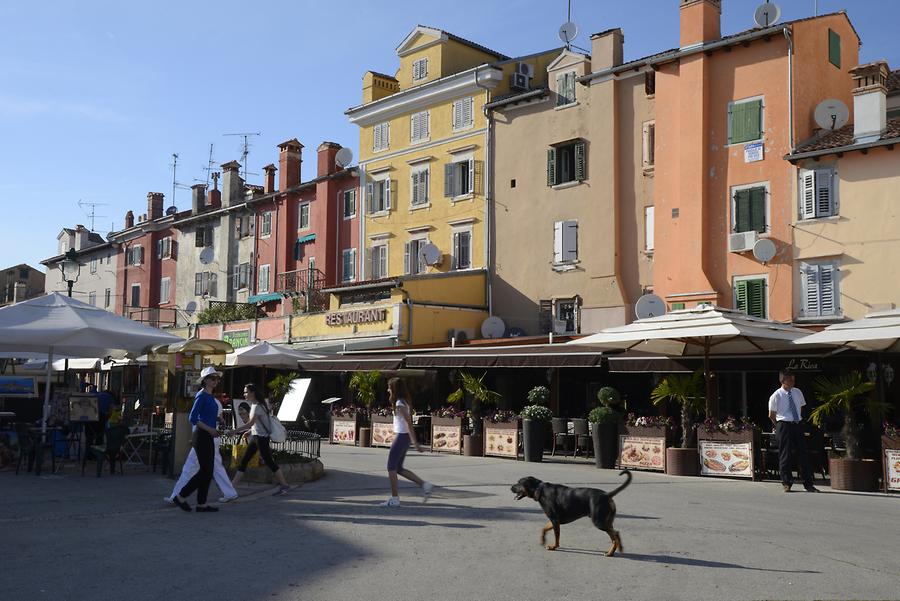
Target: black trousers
<point>202,441</point>
<point>791,439</point>
<point>260,443</point>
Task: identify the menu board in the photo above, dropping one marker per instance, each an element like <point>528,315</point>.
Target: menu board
<point>501,442</point>
<point>892,468</point>
<point>721,458</point>
<point>382,434</point>
<point>343,431</point>
<point>446,438</point>
<point>642,452</point>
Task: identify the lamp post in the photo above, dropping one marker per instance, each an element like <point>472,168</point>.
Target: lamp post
<point>70,268</point>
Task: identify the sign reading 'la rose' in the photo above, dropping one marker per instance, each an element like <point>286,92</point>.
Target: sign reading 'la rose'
<point>354,317</point>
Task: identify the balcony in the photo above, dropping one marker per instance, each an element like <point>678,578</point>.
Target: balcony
<point>223,312</point>
<point>167,317</point>
<point>306,287</point>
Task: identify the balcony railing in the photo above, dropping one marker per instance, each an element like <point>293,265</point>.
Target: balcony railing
<point>305,285</point>
<point>166,317</point>
<point>222,311</point>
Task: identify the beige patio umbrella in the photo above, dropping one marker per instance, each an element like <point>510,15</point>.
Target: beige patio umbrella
<point>878,331</point>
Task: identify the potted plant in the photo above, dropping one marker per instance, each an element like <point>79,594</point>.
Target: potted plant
<point>848,393</point>
<point>605,426</point>
<point>539,395</point>
<point>365,383</point>
<point>481,396</point>
<point>280,385</point>
<point>534,430</point>
<point>687,391</point>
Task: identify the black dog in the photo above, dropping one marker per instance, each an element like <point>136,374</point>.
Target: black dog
<point>563,504</point>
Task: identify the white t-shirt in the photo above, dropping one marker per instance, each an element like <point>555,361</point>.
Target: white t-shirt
<point>400,425</point>
<point>261,426</point>
<point>778,403</point>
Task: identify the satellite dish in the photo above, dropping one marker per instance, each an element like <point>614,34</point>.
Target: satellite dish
<point>649,305</point>
<point>831,114</point>
<point>493,327</point>
<point>343,157</point>
<point>431,254</point>
<point>191,307</point>
<point>764,250</point>
<point>567,32</point>
<point>767,14</point>
<point>516,332</point>
<point>171,210</point>
<point>206,255</point>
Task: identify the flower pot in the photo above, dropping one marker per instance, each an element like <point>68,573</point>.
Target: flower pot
<point>606,444</point>
<point>533,434</point>
<point>682,462</point>
<point>854,474</point>
<point>365,437</point>
<point>473,445</point>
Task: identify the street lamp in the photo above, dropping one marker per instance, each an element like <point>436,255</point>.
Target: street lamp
<point>70,268</point>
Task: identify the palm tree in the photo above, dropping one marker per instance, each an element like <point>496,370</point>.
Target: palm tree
<point>687,391</point>
<point>479,392</point>
<point>846,393</point>
<point>280,385</point>
<point>365,383</point>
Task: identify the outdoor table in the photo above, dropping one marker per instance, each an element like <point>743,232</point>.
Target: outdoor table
<point>9,415</point>
<point>135,443</point>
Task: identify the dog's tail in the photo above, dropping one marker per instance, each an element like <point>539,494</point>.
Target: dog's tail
<point>621,488</point>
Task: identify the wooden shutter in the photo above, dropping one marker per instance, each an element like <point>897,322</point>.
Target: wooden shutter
<point>454,263</point>
<point>570,87</point>
<point>407,261</point>
<point>140,255</point>
<point>551,166</point>
<point>558,241</point>
<point>560,89</point>
<point>449,180</point>
<point>457,114</point>
<point>198,284</point>
<point>742,211</point>
<point>807,194</point>
<point>824,193</point>
<point>570,241</point>
<point>468,110</point>
<point>740,296</point>
<point>809,283</point>
<point>198,237</point>
<point>370,195</point>
<point>415,188</point>
<point>758,209</point>
<point>580,164</point>
<point>236,277</point>
<point>834,48</point>
<point>756,298</point>
<point>159,253</point>
<point>414,127</point>
<point>368,260</point>
<point>173,249</point>
<point>828,290</point>
<point>476,169</point>
<point>545,315</point>
<point>390,187</point>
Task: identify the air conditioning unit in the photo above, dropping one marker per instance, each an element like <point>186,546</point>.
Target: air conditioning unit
<point>742,241</point>
<point>459,335</point>
<point>525,69</point>
<point>518,81</point>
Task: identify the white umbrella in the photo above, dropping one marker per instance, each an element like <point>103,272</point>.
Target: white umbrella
<point>266,354</point>
<point>875,332</point>
<point>56,323</point>
<point>699,331</point>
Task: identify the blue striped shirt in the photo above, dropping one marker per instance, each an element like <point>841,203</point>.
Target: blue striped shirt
<point>204,410</point>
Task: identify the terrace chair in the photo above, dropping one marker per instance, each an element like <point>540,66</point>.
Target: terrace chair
<point>582,437</point>
<point>111,451</point>
<point>32,449</point>
<point>24,447</point>
<point>560,430</point>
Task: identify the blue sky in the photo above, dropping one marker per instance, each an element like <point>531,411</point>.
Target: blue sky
<point>96,96</point>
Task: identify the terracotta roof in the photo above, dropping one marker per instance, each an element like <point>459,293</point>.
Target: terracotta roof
<point>843,137</point>
<point>893,82</point>
<point>456,38</point>
<point>385,76</point>
<point>513,97</point>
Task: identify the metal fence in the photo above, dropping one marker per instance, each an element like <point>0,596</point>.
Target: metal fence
<point>305,444</point>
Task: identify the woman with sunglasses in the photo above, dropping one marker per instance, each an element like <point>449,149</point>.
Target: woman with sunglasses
<point>260,428</point>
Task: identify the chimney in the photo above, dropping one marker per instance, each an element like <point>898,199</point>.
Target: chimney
<point>198,198</point>
<point>326,153</point>
<point>129,219</point>
<point>232,184</point>
<point>700,22</point>
<point>289,161</point>
<point>214,199</point>
<point>606,49</point>
<point>270,178</point>
<point>81,237</point>
<point>869,101</point>
<point>155,201</point>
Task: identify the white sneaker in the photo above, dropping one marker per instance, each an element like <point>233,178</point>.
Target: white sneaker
<point>169,500</point>
<point>227,499</point>
<point>391,502</point>
<point>427,487</point>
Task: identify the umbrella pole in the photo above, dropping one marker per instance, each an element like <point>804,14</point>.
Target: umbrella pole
<point>710,389</point>
<point>46,411</point>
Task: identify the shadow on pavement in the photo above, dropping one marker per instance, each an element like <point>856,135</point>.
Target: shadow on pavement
<point>687,561</point>
<point>381,521</point>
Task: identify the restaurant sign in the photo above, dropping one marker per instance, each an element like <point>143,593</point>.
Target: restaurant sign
<point>237,338</point>
<point>803,365</point>
<point>721,458</point>
<point>355,317</point>
<point>892,468</point>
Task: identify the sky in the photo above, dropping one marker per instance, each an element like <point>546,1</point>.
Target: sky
<point>96,96</point>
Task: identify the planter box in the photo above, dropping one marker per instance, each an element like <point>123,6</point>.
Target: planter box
<point>501,439</point>
<point>606,444</point>
<point>682,462</point>
<point>854,474</point>
<point>643,448</point>
<point>447,434</point>
<point>294,473</point>
<point>382,430</point>
<point>344,430</point>
<point>730,454</point>
<point>890,458</point>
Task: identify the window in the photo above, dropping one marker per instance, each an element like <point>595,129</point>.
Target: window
<point>240,276</point>
<point>413,258</point>
<point>92,299</point>
<point>303,216</point>
<point>164,248</point>
<point>378,195</point>
<point>566,163</point>
<point>565,88</point>
<point>834,48</point>
<point>135,295</point>
<point>749,209</point>
<point>107,298</point>
<point>205,283</point>
<point>348,265</point>
<point>418,127</point>
<point>135,255</point>
<point>381,137</point>
<point>817,198</point>
<point>266,227</point>
<point>565,321</point>
<point>202,237</point>
<point>565,241</point>
<point>677,306</point>
<point>648,229</point>
<point>750,295</point>
<point>820,290</point>
<point>462,249</point>
<point>463,113</point>
<point>745,121</point>
<point>378,261</point>
<point>164,285</point>
<point>419,184</point>
<point>462,177</point>
<point>348,202</point>
<point>242,227</point>
<point>648,153</point>
<point>262,281</point>
<point>420,69</point>
<point>93,264</point>
<point>650,82</point>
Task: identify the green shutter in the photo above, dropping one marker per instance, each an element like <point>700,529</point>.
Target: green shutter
<point>579,161</point>
<point>677,306</point>
<point>758,210</point>
<point>742,210</point>
<point>834,49</point>
<point>551,166</point>
<point>746,121</point>
<point>740,295</point>
<point>756,298</point>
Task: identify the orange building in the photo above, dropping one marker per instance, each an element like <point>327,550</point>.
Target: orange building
<point>727,110</point>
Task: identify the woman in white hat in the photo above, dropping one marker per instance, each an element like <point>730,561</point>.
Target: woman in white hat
<point>204,415</point>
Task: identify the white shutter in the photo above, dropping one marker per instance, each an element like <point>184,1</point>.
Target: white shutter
<point>824,193</point>
<point>648,228</point>
<point>807,194</point>
<point>570,241</point>
<point>471,177</point>
<point>236,277</point>
<point>390,186</point>
<point>383,261</point>
<point>457,114</point>
<point>454,264</point>
<point>558,241</point>
<point>809,283</point>
<point>560,89</point>
<point>414,127</point>
<point>450,180</point>
<point>407,265</point>
<point>415,188</point>
<point>370,194</point>
<point>828,290</point>
<point>570,86</point>
<point>468,110</point>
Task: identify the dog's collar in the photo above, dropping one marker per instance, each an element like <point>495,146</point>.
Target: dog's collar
<point>537,491</point>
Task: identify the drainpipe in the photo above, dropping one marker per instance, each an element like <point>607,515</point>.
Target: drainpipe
<point>361,215</point>
<point>790,42</point>
<point>409,308</point>
<point>488,195</point>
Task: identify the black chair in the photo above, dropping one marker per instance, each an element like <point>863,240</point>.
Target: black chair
<point>560,430</point>
<point>24,447</point>
<point>32,445</point>
<point>162,449</point>
<point>111,451</point>
<point>582,437</point>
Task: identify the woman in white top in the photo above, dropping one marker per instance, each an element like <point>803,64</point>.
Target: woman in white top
<point>403,434</point>
<point>259,425</point>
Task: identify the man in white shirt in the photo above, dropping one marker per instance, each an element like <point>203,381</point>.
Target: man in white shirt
<point>784,411</point>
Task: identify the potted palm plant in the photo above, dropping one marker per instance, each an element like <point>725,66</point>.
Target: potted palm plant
<point>605,427</point>
<point>365,383</point>
<point>481,397</point>
<point>848,393</point>
<point>687,391</point>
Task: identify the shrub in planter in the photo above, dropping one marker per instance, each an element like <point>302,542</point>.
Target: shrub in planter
<point>605,435</point>
<point>534,426</point>
<point>481,397</point>
<point>539,395</point>
<point>687,391</point>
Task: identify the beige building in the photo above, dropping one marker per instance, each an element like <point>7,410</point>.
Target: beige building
<point>572,167</point>
<point>847,230</point>
<point>20,282</point>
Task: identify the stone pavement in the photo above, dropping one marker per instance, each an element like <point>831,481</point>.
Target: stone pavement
<point>67,537</point>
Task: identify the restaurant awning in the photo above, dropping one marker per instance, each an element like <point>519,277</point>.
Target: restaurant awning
<point>520,356</point>
<point>354,362</point>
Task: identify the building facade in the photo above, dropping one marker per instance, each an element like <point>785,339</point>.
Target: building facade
<point>99,259</point>
<point>20,282</point>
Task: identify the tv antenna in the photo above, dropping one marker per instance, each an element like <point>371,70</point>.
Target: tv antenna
<point>93,214</point>
<point>568,31</point>
<point>209,165</point>
<point>176,185</point>
<point>245,149</point>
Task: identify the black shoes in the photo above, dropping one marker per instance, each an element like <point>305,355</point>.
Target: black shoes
<point>811,488</point>
<point>183,504</point>
<point>206,509</point>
